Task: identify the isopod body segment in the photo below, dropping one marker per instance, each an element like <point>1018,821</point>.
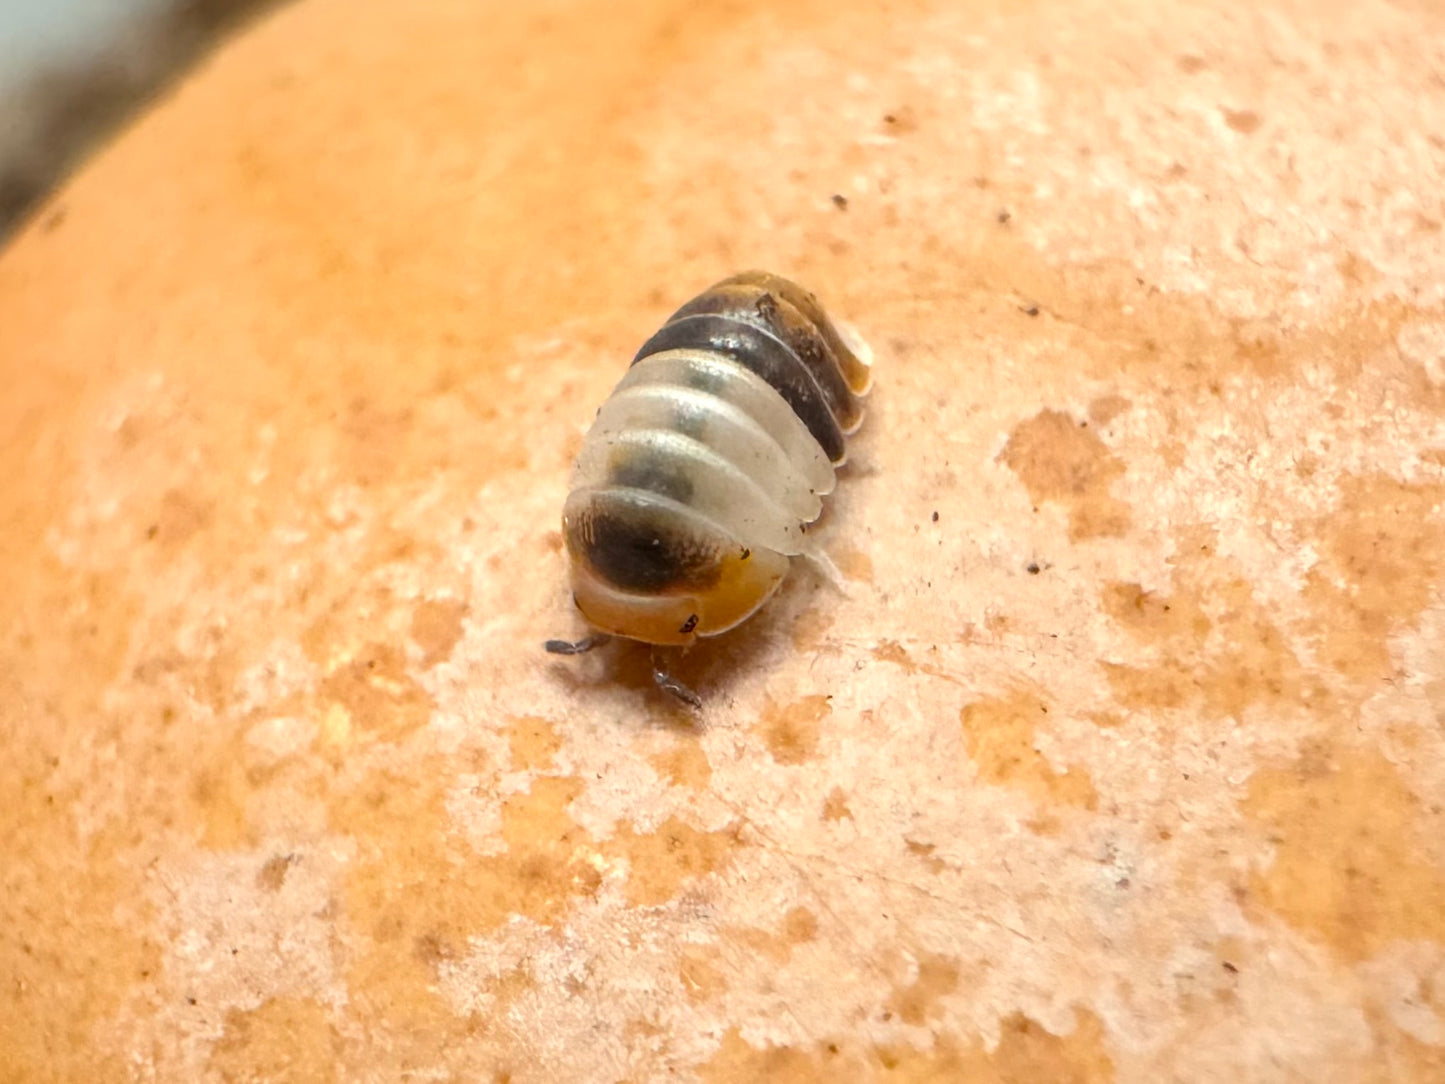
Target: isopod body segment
<point>697,481</point>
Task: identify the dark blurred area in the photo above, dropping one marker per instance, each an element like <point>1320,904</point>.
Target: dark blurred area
<point>52,117</point>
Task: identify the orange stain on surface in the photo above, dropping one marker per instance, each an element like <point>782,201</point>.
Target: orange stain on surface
<point>436,627</point>
<point>856,566</point>
<point>288,1040</point>
<point>1026,1054</point>
<point>381,698</point>
<point>417,891</point>
<point>792,731</point>
<point>684,765</point>
<point>799,926</point>
<point>1106,408</point>
<point>894,652</point>
<point>661,862</point>
<point>1152,617</point>
<point>1350,868</point>
<point>919,1002</point>
<point>1062,461</point>
<point>835,806</point>
<point>534,743</point>
<point>999,733</point>
<point>1216,646</point>
<point>1243,121</point>
<point>736,1060</point>
<point>1382,559</point>
<point>702,973</point>
<point>221,792</point>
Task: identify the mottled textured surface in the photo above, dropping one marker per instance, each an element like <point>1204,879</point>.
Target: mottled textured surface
<point>1120,758</point>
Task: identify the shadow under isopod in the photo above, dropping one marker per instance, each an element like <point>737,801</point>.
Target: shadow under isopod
<point>712,668</point>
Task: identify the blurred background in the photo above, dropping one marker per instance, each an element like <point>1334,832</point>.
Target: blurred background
<point>72,70</point>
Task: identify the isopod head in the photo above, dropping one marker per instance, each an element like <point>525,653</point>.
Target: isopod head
<point>649,568</point>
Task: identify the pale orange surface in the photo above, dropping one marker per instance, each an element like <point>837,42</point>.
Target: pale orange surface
<point>1128,765</point>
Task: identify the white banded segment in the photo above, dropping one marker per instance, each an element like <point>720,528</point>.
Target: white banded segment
<point>728,384</point>
<point>662,431</point>
<point>703,469</point>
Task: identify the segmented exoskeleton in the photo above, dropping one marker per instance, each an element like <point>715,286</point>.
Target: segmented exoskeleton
<point>697,481</point>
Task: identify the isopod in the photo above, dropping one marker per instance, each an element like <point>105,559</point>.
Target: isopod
<point>703,469</point>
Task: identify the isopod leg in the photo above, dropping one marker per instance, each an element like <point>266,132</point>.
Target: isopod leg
<point>669,684</point>
<point>576,647</point>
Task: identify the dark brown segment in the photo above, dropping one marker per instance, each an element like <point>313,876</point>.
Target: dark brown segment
<point>759,305</point>
<point>757,349</point>
<point>637,545</point>
<point>855,371</point>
